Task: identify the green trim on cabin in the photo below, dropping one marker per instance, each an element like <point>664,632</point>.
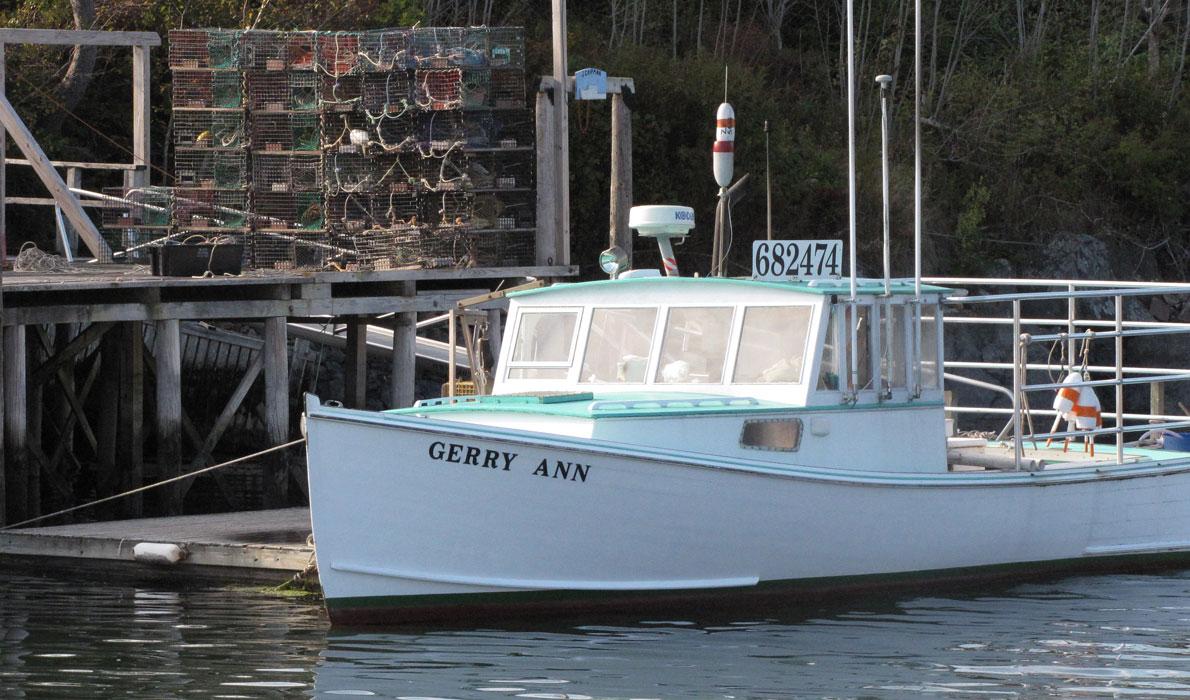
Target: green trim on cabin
<point>827,287</point>
<point>631,405</point>
<point>824,584</point>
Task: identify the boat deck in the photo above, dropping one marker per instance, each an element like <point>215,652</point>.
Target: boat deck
<point>975,454</point>
<point>269,543</point>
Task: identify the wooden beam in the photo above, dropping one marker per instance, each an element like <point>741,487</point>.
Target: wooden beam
<point>404,358</point>
<point>80,342</point>
<point>276,407</point>
<point>355,364</point>
<point>141,92</point>
<point>51,202</point>
<point>80,164</point>
<point>546,242</point>
<point>15,423</point>
<point>53,181</point>
<point>229,411</point>
<point>107,422</point>
<point>621,177</point>
<point>3,178</point>
<point>76,37</point>
<point>167,353</point>
<point>66,382</point>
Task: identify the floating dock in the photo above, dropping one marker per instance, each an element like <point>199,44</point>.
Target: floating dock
<point>268,544</point>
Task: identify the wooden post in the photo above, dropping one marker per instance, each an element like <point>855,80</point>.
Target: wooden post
<point>562,133</point>
<point>15,424</point>
<point>276,408</point>
<point>141,92</point>
<point>621,176</point>
<point>108,420</point>
<point>167,351</point>
<point>547,203</point>
<point>451,350</point>
<point>52,180</point>
<point>132,416</point>
<point>404,370</point>
<point>35,404</point>
<point>3,179</point>
<point>1156,400</point>
<point>355,364</point>
<point>74,178</point>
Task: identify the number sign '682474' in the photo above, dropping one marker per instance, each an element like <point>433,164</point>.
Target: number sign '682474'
<point>796,260</point>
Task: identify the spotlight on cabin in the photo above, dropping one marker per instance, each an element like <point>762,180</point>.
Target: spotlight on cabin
<point>613,261</point>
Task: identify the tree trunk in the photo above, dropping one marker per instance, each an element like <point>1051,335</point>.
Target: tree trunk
<point>80,69</point>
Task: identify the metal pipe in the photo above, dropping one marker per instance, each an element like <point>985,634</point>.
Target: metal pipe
<point>851,224</point>
<point>1041,296</point>
<point>1111,431</point>
<point>1094,369</point>
<point>1019,282</point>
<point>1071,348</point>
<point>1180,377</point>
<point>1120,377</point>
<point>451,341</point>
<point>1092,323</point>
<point>884,81</point>
<point>768,185</point>
<point>917,160</point>
<point>1135,332</point>
<point>1018,359</point>
<point>1051,412</point>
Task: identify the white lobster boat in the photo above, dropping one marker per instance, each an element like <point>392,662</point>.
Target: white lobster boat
<point>655,439</point>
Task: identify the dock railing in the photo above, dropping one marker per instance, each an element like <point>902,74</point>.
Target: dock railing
<point>1074,340</point>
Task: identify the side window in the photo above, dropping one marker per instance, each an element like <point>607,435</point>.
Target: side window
<point>544,345</point>
<point>772,345</point>
<point>832,350</point>
<point>931,320</point>
<point>780,434</point>
<point>894,322</point>
<point>618,346</point>
<point>694,346</point>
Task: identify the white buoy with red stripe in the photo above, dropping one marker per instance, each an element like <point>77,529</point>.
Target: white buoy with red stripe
<point>724,148</point>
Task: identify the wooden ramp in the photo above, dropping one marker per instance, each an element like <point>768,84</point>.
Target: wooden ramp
<point>234,544</point>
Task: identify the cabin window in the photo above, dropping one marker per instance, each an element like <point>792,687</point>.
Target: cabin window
<point>828,371</point>
<point>862,321</point>
<point>892,338</point>
<point>780,434</point>
<point>544,345</point>
<point>694,346</point>
<point>931,316</point>
<point>772,345</point>
<point>618,346</point>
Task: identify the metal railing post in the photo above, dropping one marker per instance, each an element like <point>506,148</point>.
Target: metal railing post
<point>1071,344</point>
<point>1018,446</point>
<point>1119,379</point>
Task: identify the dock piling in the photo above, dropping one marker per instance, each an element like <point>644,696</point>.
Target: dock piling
<point>167,352</point>
<point>276,401</point>
<point>15,423</point>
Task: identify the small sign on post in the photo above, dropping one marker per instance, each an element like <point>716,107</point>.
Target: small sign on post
<point>796,260</point>
<point>590,84</point>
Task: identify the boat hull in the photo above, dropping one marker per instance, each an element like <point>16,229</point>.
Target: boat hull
<point>418,519</point>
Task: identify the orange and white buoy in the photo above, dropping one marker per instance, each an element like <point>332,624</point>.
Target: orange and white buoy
<point>1079,406</point>
<point>724,148</point>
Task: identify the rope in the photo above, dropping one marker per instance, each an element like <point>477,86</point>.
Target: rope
<point>189,475</point>
<point>33,259</point>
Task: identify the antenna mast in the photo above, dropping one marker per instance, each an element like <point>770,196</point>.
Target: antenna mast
<point>854,339</point>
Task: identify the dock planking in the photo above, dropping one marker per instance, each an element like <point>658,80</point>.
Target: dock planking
<point>223,545</point>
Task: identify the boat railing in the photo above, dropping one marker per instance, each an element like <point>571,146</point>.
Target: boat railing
<point>1074,341</point>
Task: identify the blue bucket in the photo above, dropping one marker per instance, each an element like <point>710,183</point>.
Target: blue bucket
<point>1178,442</point>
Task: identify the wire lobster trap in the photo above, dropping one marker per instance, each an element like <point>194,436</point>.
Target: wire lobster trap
<point>447,210</point>
<point>447,173</point>
<point>438,89</point>
<point>205,48</point>
<point>291,250</point>
<point>503,211</point>
<point>348,132</point>
<point>476,89</point>
<point>132,245</point>
<point>211,168</point>
<point>508,129</point>
<point>349,172</point>
<point>340,92</point>
<point>288,211</point>
<point>207,89</point>
<point>436,47</point>
<point>204,128</point>
<point>475,47</point>
<point>384,50</point>
<point>301,51</point>
<point>506,47</point>
<point>388,249</point>
<point>358,211</point>
<point>388,93</point>
<point>501,171</point>
<point>286,131</point>
<point>287,172</point>
<point>396,133</point>
<point>266,50</point>
<point>439,132</point>
<point>338,53</point>
<point>508,88</point>
<point>201,210</point>
<point>150,207</point>
<point>284,91</point>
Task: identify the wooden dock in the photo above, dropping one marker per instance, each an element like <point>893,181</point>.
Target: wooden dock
<point>269,544</point>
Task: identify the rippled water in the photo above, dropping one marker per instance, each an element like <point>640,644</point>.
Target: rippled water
<point>1107,636</point>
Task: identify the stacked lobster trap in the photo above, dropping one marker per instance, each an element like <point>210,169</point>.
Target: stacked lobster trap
<point>384,149</point>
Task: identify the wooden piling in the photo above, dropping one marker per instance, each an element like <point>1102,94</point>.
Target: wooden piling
<point>15,423</point>
<point>108,421</point>
<point>167,351</point>
<point>404,354</point>
<point>276,408</point>
<point>132,416</point>
<point>546,243</point>
<point>621,176</point>
<point>35,405</point>
<point>355,364</point>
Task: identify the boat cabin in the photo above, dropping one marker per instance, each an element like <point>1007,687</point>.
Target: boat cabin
<point>772,341</point>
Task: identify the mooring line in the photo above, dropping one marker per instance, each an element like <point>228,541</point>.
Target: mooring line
<point>171,480</point>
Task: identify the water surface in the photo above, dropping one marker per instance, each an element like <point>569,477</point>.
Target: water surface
<point>1102,636</point>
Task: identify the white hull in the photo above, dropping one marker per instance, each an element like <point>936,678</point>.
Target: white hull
<point>404,525</point>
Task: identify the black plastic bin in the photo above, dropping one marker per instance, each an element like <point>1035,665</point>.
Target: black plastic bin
<point>196,259</point>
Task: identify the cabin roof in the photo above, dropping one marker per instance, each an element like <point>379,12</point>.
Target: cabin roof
<point>818,287</point>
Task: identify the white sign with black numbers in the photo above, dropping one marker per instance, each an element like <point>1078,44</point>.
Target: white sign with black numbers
<point>796,260</point>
